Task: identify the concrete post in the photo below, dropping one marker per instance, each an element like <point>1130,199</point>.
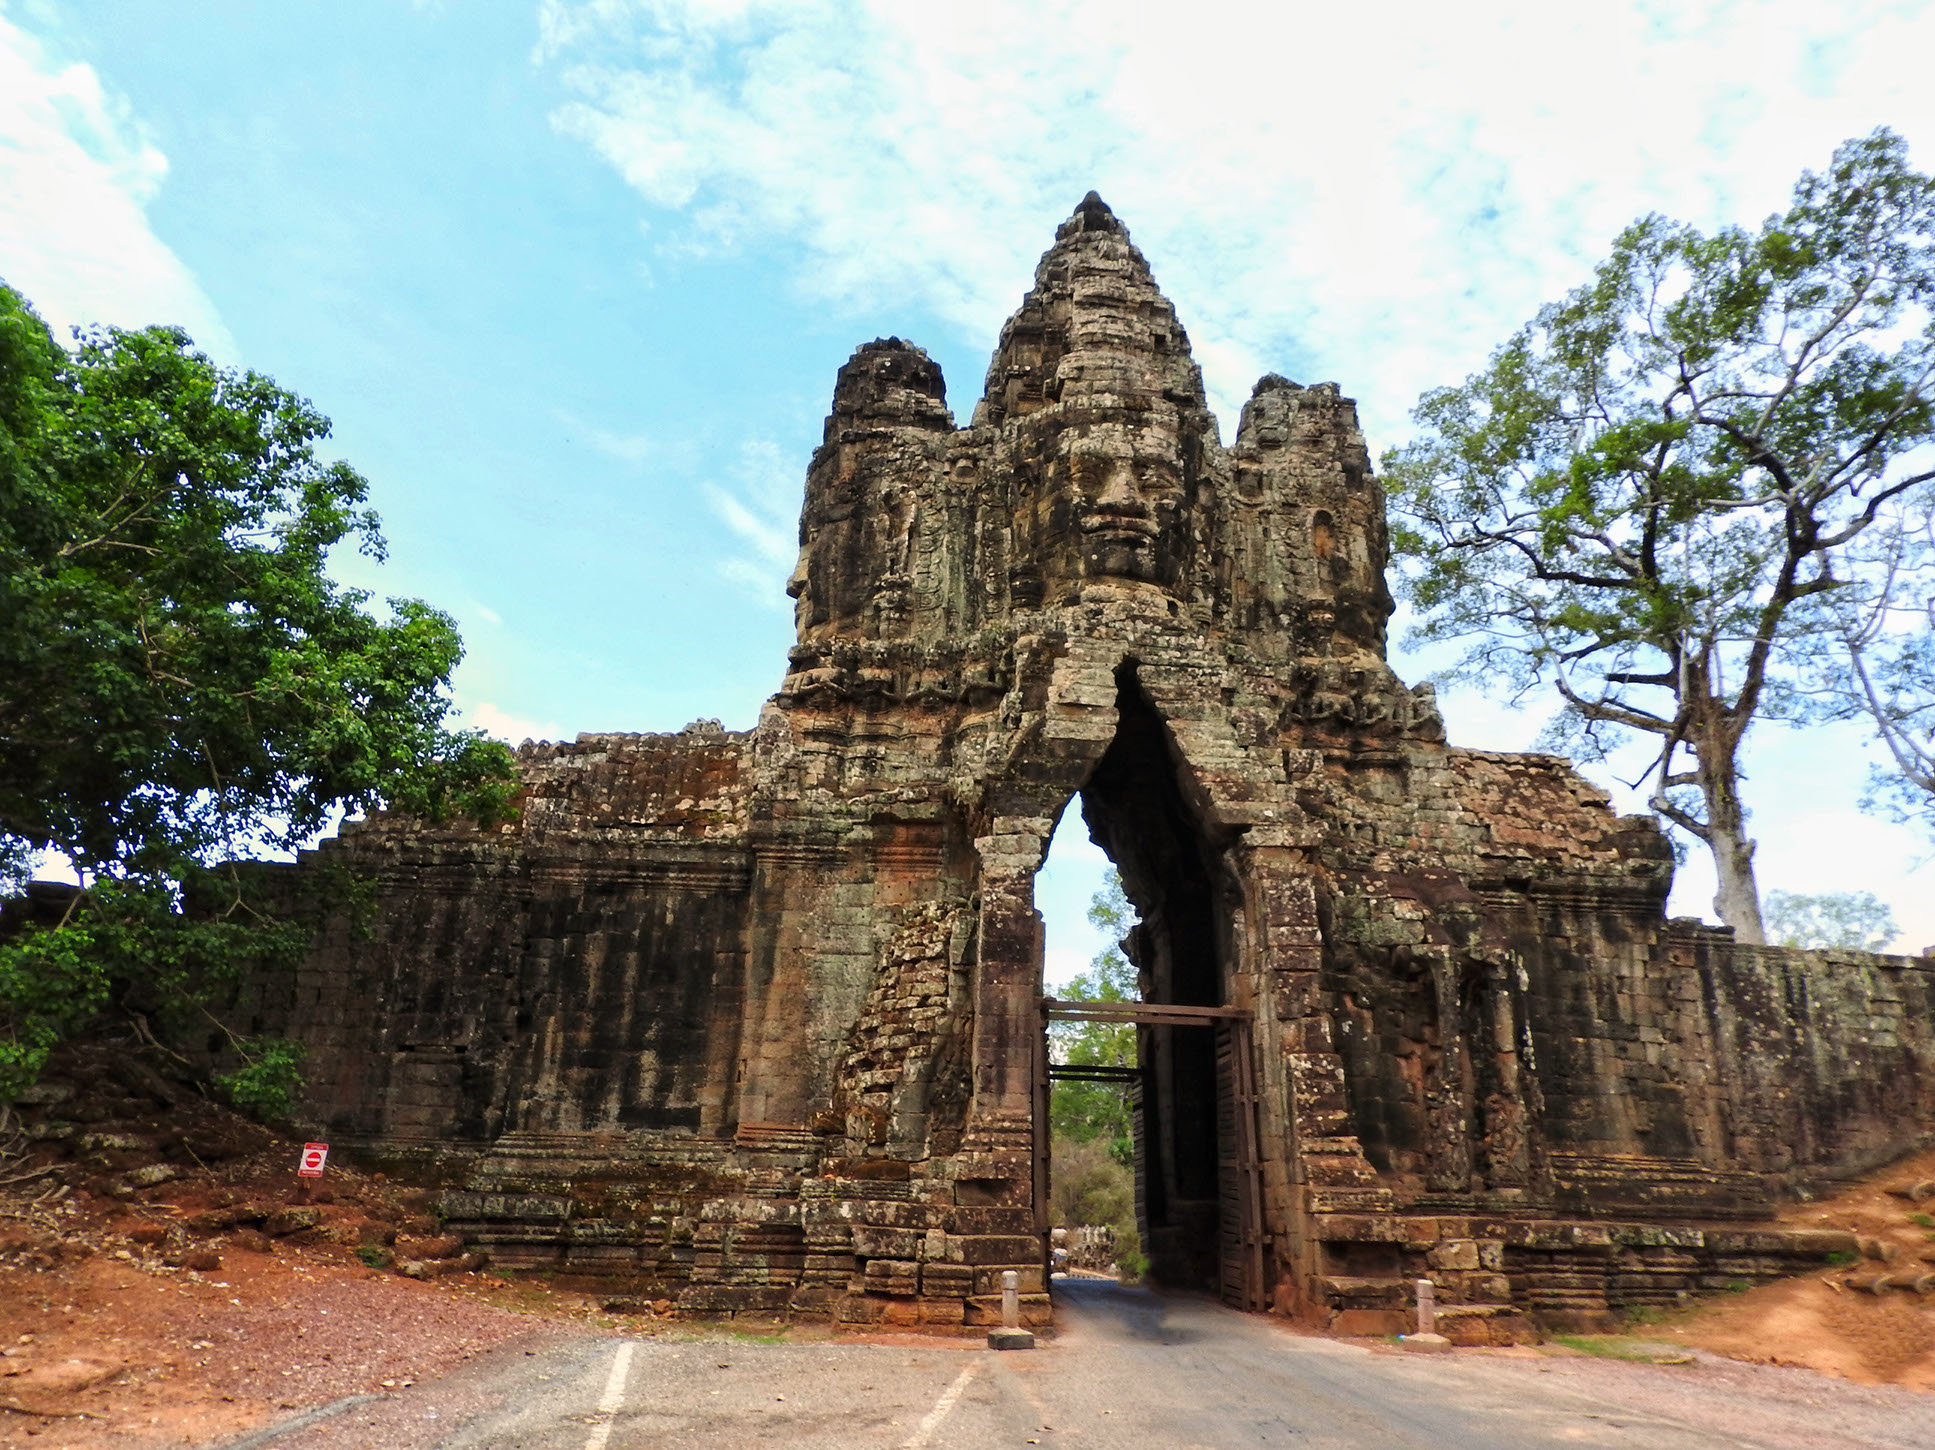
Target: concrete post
<point>1427,1340</point>
<point>1010,1335</point>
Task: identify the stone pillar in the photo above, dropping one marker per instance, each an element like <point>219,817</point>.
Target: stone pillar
<point>1323,1170</point>
<point>991,1230</point>
<point>1007,974</point>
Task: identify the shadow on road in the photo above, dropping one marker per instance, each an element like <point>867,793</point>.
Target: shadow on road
<point>1109,1310</point>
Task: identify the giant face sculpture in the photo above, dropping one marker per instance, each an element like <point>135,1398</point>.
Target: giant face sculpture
<point>1111,504</point>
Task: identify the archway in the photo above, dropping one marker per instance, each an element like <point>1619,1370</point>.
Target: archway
<point>1191,1085</point>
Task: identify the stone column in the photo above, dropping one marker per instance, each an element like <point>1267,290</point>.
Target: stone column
<point>1007,974</point>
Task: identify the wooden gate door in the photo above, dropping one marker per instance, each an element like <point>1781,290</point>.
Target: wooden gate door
<point>1239,1168</point>
<point>1044,1143</point>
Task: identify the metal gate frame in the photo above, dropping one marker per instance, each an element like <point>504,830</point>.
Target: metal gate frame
<point>1234,1045</point>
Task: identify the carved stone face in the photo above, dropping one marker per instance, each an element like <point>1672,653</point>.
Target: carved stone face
<point>1111,504</point>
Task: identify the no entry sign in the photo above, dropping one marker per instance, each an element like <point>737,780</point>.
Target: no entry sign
<point>314,1155</point>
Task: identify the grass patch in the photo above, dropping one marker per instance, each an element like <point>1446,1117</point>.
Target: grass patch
<point>769,1334</point>
<point>1626,1347</point>
<point>528,1297</point>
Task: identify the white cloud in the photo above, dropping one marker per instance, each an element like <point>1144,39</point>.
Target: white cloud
<point>506,726</point>
<point>634,450</point>
<point>761,507</point>
<point>1380,194</point>
<point>77,172</point>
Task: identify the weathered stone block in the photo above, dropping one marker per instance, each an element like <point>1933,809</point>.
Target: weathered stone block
<point>949,1281</point>
<point>1005,1221</point>
<point>887,1243</point>
<point>1029,1279</point>
<point>1454,1254</point>
<point>891,1276</point>
<point>1003,1249</point>
<point>1370,1323</point>
<point>1036,1311</point>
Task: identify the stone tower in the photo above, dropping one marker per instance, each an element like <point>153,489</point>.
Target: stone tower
<point>756,1017</point>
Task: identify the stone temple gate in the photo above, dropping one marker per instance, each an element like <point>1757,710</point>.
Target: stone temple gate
<point>754,1018</point>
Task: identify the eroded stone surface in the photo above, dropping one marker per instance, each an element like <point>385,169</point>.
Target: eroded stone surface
<point>751,1017</point>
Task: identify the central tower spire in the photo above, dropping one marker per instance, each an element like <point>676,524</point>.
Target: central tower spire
<point>1095,330</point>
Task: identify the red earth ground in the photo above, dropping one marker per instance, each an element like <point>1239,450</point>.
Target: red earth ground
<point>167,1279</point>
<point>1831,1320</point>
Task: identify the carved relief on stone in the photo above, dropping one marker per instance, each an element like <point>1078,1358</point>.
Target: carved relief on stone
<point>1112,504</point>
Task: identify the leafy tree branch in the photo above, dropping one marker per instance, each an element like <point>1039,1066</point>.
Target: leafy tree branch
<point>1661,493</point>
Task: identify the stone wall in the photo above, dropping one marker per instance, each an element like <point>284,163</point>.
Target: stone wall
<point>752,1018</point>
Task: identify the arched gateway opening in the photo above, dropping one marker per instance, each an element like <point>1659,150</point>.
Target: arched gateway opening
<point>1191,1086</point>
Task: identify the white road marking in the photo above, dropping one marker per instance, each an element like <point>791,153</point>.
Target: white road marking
<point>613,1397</point>
<point>924,1431</point>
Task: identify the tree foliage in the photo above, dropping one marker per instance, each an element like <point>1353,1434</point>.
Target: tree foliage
<point>1082,1112</point>
<point>1092,1186</point>
<point>1850,920</point>
<point>1880,666</point>
<point>1090,1128</point>
<point>1651,496</point>
<point>181,682</point>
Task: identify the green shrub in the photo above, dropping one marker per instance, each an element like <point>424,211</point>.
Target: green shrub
<point>269,1080</point>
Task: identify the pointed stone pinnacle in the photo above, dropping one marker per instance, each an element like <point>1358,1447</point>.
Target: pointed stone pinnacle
<point>1091,215</point>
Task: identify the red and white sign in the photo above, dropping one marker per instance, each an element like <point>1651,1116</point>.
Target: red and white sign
<point>313,1157</point>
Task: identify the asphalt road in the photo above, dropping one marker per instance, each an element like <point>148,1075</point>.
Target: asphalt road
<point>1126,1369</point>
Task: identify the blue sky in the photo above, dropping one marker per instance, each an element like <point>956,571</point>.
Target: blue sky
<point>573,280</point>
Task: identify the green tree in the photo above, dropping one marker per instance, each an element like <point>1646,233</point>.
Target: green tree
<point>1852,920</point>
<point>1093,1186</point>
<point>181,683</point>
<point>1649,496</point>
<point>1884,668</point>
<point>1091,1132</point>
<point>1082,1112</point>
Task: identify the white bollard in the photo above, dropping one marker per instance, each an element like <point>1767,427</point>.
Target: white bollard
<point>1010,1335</point>
<point>1427,1340</point>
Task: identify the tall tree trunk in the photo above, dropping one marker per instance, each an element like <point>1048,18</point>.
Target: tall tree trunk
<point>1716,745</point>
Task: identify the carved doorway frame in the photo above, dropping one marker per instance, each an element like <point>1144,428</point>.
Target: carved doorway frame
<point>1240,1167</point>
